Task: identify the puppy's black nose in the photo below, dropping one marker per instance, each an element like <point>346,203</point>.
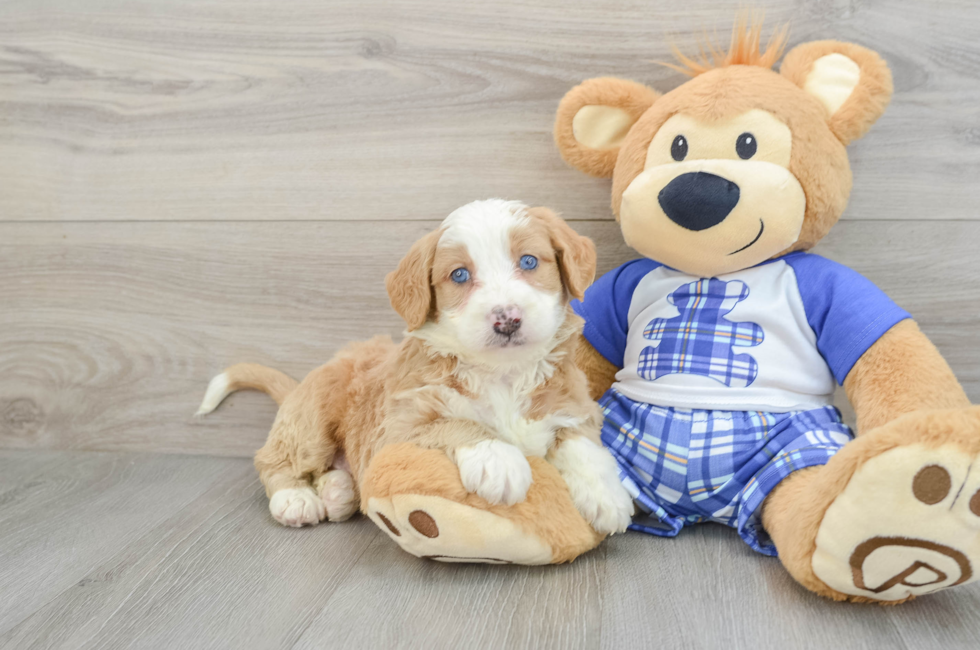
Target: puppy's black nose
<point>507,326</point>
<point>698,200</point>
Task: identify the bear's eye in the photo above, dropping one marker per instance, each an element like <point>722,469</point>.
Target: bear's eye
<point>678,148</point>
<point>745,146</point>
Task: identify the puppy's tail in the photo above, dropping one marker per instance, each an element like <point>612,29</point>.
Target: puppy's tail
<point>246,375</point>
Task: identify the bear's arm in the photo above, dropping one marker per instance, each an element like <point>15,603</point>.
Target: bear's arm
<point>900,373</point>
<point>599,371</point>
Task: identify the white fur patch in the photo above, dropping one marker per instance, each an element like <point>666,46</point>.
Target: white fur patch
<point>484,228</point>
<point>336,490</point>
<point>495,470</point>
<point>593,480</point>
<point>500,405</point>
<point>297,507</point>
<point>218,389</point>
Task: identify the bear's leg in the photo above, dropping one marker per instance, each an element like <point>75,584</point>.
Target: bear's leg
<point>894,514</point>
<point>417,497</point>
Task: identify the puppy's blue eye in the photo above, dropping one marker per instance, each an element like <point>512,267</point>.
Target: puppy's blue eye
<point>529,262</point>
<point>460,276</point>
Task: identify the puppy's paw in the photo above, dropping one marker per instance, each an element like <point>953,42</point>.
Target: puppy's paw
<point>609,509</point>
<point>297,507</point>
<point>593,481</point>
<point>495,470</point>
<point>336,490</point>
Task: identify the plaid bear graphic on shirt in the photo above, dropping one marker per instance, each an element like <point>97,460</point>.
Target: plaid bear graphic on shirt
<point>700,340</point>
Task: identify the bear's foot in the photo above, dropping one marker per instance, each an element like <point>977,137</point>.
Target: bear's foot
<point>908,523</point>
<point>895,514</point>
<point>417,497</point>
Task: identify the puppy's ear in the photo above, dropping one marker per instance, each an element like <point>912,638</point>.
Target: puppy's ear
<point>593,119</point>
<point>410,285</point>
<point>575,253</point>
<point>853,83</point>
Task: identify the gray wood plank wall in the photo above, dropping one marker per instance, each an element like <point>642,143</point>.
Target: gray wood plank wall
<point>188,184</point>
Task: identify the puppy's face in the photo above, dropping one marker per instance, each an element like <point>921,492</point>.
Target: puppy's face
<point>493,281</point>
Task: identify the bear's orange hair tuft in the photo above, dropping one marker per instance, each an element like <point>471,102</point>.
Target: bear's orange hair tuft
<point>744,49</point>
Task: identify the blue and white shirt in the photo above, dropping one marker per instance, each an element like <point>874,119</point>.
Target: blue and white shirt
<point>772,338</point>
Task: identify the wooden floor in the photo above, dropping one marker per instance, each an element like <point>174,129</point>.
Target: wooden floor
<point>125,550</point>
<point>185,184</point>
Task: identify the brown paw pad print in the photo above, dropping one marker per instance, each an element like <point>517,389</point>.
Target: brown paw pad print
<point>417,519</point>
<point>387,522</point>
<point>423,523</point>
<point>931,484</point>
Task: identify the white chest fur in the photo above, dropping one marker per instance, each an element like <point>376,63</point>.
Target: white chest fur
<point>501,401</point>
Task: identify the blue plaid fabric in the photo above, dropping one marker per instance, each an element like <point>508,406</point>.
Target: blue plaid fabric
<point>686,466</point>
<point>699,341</point>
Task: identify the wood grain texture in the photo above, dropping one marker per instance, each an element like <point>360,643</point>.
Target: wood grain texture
<point>366,109</point>
<point>428,604</point>
<point>217,572</point>
<point>110,332</point>
<point>61,514</point>
<point>715,592</point>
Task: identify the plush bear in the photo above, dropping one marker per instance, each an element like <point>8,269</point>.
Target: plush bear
<point>715,355</point>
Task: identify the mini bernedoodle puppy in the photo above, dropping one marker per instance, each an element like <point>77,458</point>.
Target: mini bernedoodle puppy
<point>486,373</point>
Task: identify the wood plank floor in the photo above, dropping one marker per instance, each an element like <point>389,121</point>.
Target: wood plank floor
<point>185,184</point>
<point>125,550</point>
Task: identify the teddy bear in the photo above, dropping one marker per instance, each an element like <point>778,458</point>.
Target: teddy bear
<point>715,354</point>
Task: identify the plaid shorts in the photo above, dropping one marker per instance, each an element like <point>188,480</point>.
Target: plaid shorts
<point>685,466</point>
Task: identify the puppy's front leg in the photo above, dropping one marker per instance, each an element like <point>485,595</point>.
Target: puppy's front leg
<point>496,470</point>
<point>593,480</point>
<point>493,469</point>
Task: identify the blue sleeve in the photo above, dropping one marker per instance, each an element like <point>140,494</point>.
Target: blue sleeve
<point>847,311</point>
<point>606,305</point>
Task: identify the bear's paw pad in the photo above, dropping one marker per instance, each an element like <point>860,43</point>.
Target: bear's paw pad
<point>907,524</point>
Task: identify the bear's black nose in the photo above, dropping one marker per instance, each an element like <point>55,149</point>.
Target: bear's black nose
<point>698,200</point>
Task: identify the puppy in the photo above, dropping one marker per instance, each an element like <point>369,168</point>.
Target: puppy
<point>486,373</point>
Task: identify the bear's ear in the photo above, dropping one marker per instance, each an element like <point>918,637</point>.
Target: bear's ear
<point>594,117</point>
<point>853,83</point>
